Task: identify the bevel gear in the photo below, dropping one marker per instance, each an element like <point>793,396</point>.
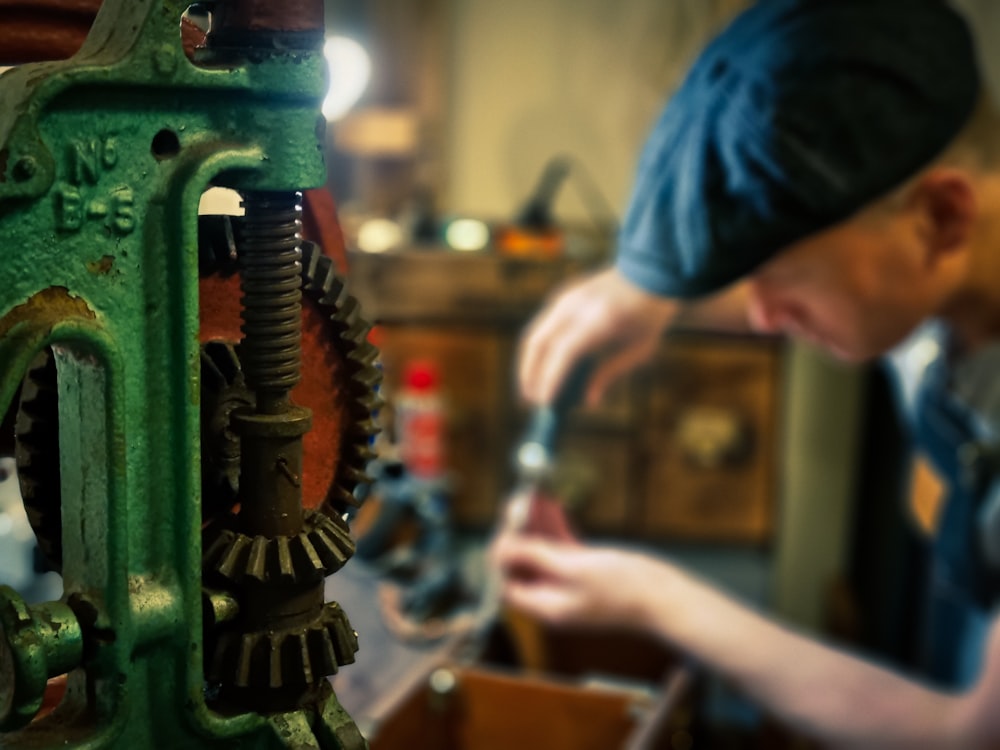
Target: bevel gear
<point>296,656</point>
<point>322,548</point>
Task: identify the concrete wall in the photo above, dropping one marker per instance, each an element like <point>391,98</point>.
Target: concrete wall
<point>985,18</point>
<point>533,79</point>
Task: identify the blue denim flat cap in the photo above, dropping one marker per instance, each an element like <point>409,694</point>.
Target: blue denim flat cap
<point>797,115</point>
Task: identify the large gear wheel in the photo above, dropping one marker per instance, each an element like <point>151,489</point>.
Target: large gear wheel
<point>340,383</point>
<point>36,450</point>
<point>339,376</point>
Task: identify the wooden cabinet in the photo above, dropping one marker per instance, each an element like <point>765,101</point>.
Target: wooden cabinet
<point>687,447</point>
<point>710,439</point>
<point>684,448</point>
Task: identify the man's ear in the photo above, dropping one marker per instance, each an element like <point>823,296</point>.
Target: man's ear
<point>945,201</point>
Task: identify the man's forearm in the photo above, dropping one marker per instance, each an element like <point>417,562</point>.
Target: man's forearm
<point>830,695</point>
<point>724,311</point>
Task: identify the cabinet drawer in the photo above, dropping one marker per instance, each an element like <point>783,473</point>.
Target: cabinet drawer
<point>600,473</point>
<point>710,445</point>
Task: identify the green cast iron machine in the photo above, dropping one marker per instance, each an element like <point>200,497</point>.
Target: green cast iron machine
<point>163,472</point>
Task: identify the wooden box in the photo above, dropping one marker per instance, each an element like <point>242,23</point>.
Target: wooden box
<point>480,709</point>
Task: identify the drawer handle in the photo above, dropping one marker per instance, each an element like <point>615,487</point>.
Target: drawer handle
<point>712,437</point>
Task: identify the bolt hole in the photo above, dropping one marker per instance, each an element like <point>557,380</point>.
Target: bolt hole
<point>166,145</point>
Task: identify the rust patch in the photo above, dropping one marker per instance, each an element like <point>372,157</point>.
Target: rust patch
<point>102,266</point>
<point>265,15</point>
<point>49,306</point>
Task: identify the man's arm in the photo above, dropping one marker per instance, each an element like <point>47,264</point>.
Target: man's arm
<point>611,320</point>
<point>837,698</point>
<point>829,694</point>
<point>722,311</point>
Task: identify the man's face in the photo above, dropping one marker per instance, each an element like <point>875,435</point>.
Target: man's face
<point>855,290</point>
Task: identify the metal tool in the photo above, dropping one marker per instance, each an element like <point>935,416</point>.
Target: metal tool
<point>182,624</point>
<point>535,458</point>
<point>535,461</point>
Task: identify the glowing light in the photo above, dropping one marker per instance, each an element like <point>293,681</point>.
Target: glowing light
<point>350,71</point>
<point>467,235</point>
<point>218,200</point>
<point>379,235</point>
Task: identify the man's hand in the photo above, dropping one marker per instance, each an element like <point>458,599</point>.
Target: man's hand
<point>603,315</point>
<point>860,705</point>
<point>567,583</point>
<point>534,512</point>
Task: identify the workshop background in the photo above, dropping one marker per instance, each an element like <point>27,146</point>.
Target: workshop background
<point>485,159</point>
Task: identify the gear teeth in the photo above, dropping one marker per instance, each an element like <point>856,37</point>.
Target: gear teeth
<point>357,332</point>
<point>332,541</point>
<point>355,475</point>
<point>364,376</point>
<point>322,548</point>
<point>364,455</point>
<point>318,643</point>
<point>321,277</point>
<point>339,499</point>
<point>223,389</point>
<point>372,400</point>
<point>310,265</point>
<point>347,314</point>
<point>36,450</point>
<point>232,554</point>
<point>311,555</point>
<point>333,290</point>
<point>292,657</point>
<point>346,496</point>
<point>249,644</point>
<point>256,563</point>
<point>220,362</point>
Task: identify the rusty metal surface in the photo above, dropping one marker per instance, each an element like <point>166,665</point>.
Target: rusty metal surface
<point>39,30</point>
<point>266,15</point>
<point>36,30</point>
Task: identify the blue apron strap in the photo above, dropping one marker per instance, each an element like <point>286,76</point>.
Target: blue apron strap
<point>960,589</point>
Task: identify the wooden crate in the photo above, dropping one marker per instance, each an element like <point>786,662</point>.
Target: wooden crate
<point>490,710</point>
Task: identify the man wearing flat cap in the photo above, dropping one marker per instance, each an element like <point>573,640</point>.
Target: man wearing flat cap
<point>829,169</point>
